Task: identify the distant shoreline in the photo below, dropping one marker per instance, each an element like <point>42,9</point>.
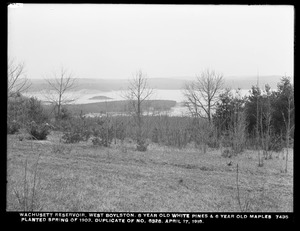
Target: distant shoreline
<point>106,85</point>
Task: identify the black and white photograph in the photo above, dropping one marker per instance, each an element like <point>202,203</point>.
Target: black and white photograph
<point>150,112</point>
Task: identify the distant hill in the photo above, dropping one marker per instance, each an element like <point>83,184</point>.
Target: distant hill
<point>112,84</point>
<point>244,82</point>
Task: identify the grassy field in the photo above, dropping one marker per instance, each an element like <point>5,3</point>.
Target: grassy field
<point>81,177</point>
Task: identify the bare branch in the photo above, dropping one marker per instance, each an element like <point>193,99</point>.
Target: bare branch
<point>17,81</point>
<point>62,82</point>
<point>203,92</point>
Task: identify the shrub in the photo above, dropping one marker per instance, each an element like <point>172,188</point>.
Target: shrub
<point>213,143</point>
<point>75,130</point>
<point>102,133</point>
<point>277,144</point>
<point>227,153</point>
<point>16,109</point>
<point>65,114</point>
<point>35,111</point>
<point>39,131</point>
<point>13,127</point>
<point>155,135</point>
<point>96,141</point>
<point>141,145</point>
<point>120,130</point>
<point>75,136</point>
<point>177,137</point>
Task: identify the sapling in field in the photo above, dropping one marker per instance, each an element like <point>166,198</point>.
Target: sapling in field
<point>288,128</point>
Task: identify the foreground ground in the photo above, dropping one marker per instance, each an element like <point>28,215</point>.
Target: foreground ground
<point>81,177</point>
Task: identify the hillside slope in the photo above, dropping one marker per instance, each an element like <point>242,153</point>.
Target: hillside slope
<point>80,177</point>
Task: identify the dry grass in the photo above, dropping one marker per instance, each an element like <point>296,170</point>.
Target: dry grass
<point>85,178</point>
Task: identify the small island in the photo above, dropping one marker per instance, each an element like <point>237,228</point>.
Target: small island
<point>99,97</point>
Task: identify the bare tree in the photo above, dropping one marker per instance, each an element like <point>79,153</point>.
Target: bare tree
<point>237,131</point>
<point>138,92</point>
<point>201,95</point>
<point>17,81</point>
<point>258,138</point>
<point>60,83</point>
<point>288,126</point>
<point>266,133</point>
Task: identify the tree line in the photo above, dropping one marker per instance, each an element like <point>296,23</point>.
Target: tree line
<point>218,117</point>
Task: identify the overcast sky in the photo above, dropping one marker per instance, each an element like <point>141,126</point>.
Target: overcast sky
<point>113,41</point>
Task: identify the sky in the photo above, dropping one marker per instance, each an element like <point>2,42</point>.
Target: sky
<point>115,40</point>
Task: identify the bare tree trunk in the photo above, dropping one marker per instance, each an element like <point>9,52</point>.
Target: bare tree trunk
<point>115,132</point>
<point>59,85</point>
<point>260,160</point>
<point>288,130</point>
<point>261,136</point>
<point>59,107</point>
<point>202,94</point>
<point>137,94</point>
